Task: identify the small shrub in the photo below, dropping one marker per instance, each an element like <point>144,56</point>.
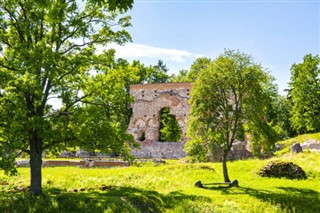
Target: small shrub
<point>283,169</point>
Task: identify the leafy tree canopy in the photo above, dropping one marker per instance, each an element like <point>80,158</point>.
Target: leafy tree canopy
<point>229,97</point>
<point>152,73</point>
<point>305,95</point>
<point>48,52</point>
<point>190,76</point>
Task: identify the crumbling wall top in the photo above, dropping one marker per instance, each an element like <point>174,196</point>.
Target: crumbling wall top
<point>160,86</point>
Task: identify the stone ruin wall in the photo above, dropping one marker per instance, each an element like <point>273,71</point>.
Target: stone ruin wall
<point>149,100</point>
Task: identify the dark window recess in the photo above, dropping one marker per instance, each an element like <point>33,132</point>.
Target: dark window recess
<point>142,137</point>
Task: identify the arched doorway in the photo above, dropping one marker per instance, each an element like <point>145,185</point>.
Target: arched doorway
<point>169,130</point>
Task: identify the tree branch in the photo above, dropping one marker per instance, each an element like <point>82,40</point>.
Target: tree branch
<point>7,67</point>
<point>28,27</point>
<point>52,143</point>
<point>45,97</point>
<point>75,30</point>
<point>15,23</point>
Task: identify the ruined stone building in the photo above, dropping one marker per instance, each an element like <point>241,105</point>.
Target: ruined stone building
<point>149,100</point>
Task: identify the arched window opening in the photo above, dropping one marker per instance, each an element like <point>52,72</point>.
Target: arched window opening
<point>142,136</point>
<point>170,130</point>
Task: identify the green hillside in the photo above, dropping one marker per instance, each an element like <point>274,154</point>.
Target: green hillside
<point>300,139</point>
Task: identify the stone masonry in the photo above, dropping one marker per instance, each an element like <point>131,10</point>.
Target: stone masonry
<point>144,125</point>
<point>145,121</point>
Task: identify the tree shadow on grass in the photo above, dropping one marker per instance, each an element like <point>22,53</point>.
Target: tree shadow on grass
<point>225,190</point>
<point>111,199</point>
<point>290,200</point>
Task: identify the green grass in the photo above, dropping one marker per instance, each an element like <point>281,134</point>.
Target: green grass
<point>300,139</point>
<point>166,188</point>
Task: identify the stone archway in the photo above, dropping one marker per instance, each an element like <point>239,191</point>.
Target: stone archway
<point>170,129</point>
<point>149,100</point>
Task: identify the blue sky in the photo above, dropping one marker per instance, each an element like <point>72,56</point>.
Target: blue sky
<point>276,33</point>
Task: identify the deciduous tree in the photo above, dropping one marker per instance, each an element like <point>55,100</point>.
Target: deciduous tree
<point>48,51</point>
<point>227,98</point>
<point>305,95</point>
<point>190,76</point>
<point>196,67</point>
<point>158,73</point>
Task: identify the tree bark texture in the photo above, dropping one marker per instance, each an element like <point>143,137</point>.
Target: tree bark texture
<point>224,168</point>
<point>36,166</point>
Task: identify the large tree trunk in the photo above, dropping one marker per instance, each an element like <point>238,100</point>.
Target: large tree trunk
<point>224,167</point>
<point>35,166</point>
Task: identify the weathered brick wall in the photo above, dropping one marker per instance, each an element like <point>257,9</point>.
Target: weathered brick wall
<point>149,100</point>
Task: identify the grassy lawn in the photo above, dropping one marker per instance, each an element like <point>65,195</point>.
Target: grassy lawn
<point>300,139</point>
<point>166,188</point>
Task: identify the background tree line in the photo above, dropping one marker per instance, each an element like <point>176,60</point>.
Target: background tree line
<point>296,112</point>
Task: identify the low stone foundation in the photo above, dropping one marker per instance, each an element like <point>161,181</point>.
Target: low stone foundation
<point>169,150</point>
<point>174,150</point>
<point>85,163</point>
<point>312,145</point>
<point>55,163</point>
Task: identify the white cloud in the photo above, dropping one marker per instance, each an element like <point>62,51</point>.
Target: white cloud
<point>137,51</point>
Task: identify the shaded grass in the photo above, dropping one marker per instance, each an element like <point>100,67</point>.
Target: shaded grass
<point>116,199</point>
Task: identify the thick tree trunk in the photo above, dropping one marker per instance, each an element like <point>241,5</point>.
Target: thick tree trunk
<point>35,167</point>
<point>224,168</point>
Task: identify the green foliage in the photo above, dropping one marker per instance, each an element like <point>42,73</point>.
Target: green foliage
<point>181,77</point>
<point>278,114</point>
<point>150,74</point>
<point>170,130</point>
<point>197,66</point>
<point>197,149</point>
<point>49,53</point>
<point>7,163</point>
<point>229,97</point>
<point>191,76</point>
<point>158,73</point>
<point>305,95</point>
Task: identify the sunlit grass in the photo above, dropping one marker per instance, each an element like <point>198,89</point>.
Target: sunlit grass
<point>167,188</point>
<point>300,139</point>
<point>147,187</point>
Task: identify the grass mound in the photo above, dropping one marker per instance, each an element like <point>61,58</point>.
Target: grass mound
<point>283,170</point>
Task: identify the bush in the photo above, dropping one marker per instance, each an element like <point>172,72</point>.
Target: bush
<point>283,169</point>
